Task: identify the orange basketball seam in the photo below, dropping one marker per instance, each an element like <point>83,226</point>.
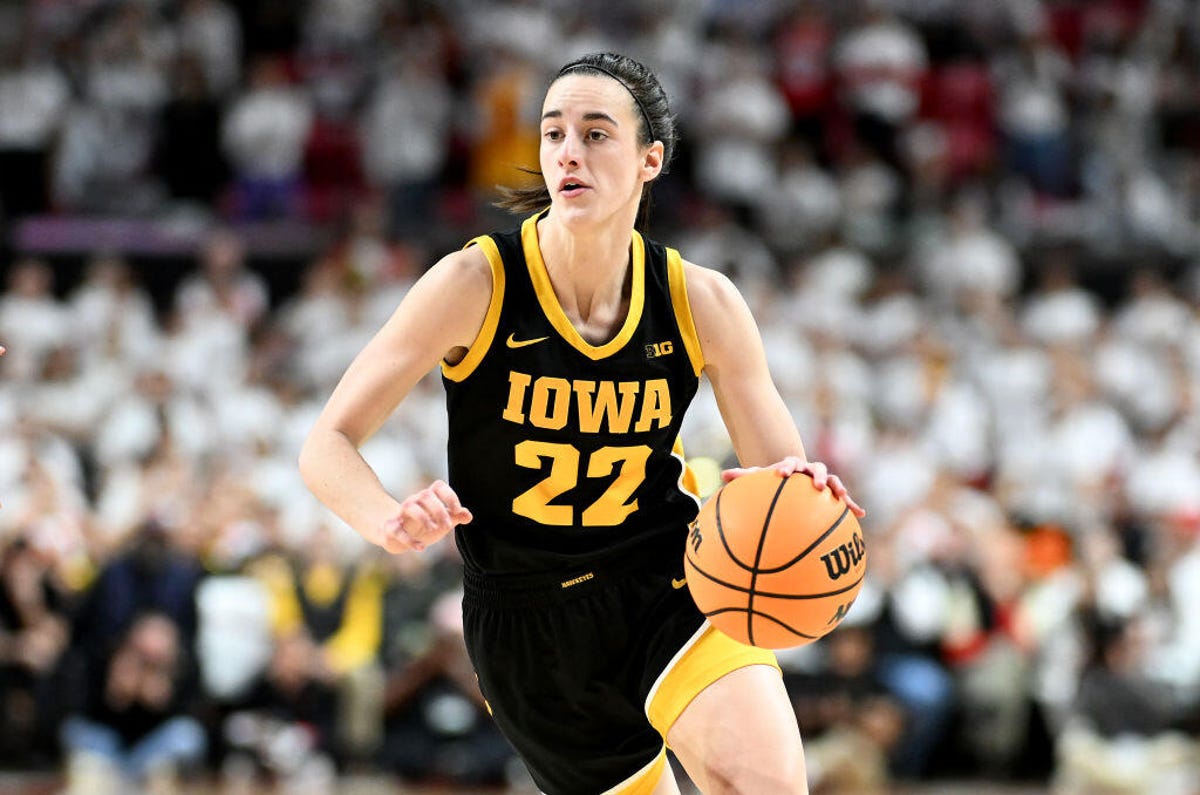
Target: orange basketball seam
<point>721,535</point>
<point>715,579</point>
<point>790,629</point>
<point>770,594</point>
<point>762,542</point>
<point>767,616</point>
<point>837,523</point>
<point>821,595</point>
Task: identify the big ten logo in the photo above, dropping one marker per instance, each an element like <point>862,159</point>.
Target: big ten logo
<point>695,538</point>
<point>844,558</point>
<point>657,349</point>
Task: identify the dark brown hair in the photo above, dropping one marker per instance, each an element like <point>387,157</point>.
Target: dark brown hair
<point>657,123</point>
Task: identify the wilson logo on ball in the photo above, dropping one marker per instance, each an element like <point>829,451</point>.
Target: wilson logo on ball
<point>844,558</point>
<point>695,538</point>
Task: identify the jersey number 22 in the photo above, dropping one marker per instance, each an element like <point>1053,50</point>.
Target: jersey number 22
<point>609,509</point>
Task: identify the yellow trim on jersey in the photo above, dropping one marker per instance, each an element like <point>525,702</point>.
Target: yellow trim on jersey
<point>683,310</point>
<point>487,332</point>
<point>703,660</point>
<point>687,478</point>
<point>645,780</point>
<point>553,309</point>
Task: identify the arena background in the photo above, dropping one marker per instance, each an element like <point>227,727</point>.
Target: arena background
<point>968,229</point>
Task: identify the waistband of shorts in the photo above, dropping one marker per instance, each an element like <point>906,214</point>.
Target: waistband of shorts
<point>539,590</point>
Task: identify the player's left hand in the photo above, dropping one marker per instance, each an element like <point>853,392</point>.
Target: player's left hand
<point>423,519</point>
<point>821,478</point>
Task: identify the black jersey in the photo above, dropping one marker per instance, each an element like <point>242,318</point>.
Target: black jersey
<point>563,451</point>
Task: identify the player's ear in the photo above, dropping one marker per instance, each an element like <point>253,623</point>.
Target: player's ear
<point>652,161</point>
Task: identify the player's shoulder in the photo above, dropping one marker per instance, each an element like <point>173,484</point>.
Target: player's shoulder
<point>708,288</point>
<point>466,263</point>
<point>461,275</point>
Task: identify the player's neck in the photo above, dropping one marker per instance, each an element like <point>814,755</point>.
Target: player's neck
<point>588,267</point>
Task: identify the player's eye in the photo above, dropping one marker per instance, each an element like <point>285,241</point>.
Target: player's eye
<point>553,135</point>
<point>596,135</point>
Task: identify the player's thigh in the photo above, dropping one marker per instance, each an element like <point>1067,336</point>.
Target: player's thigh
<point>740,735</point>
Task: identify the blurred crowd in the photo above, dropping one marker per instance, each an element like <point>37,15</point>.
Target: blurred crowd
<point>970,232</point>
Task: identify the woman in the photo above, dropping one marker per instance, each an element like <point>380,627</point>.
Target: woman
<point>570,349</point>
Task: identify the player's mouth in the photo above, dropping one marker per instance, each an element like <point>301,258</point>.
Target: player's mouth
<point>571,187</point>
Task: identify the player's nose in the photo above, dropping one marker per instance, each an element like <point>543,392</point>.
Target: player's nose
<point>568,151</point>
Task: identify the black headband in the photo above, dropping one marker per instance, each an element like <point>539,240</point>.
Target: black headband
<point>571,67</point>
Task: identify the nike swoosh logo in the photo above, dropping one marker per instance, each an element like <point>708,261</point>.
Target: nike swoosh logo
<point>677,584</point>
<point>515,343</point>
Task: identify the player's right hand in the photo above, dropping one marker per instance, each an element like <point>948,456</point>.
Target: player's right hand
<point>424,518</point>
<point>820,474</point>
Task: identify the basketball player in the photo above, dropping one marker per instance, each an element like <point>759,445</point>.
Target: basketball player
<point>570,349</point>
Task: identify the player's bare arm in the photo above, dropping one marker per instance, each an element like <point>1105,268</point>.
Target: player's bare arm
<point>438,319</point>
<point>760,426</point>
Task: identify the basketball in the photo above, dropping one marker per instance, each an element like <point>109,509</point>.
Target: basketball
<point>773,562</point>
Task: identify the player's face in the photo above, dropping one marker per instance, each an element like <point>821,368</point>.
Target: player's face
<point>591,157</point>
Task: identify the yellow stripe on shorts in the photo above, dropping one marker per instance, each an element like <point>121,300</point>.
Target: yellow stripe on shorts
<point>706,658</point>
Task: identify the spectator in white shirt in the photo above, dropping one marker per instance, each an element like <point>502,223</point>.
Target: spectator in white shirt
<point>406,135</point>
<point>880,63</point>
<point>264,134</point>
<point>35,95</point>
<point>210,31</point>
<point>32,320</point>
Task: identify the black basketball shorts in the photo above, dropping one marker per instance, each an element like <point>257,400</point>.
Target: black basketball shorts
<point>586,672</point>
